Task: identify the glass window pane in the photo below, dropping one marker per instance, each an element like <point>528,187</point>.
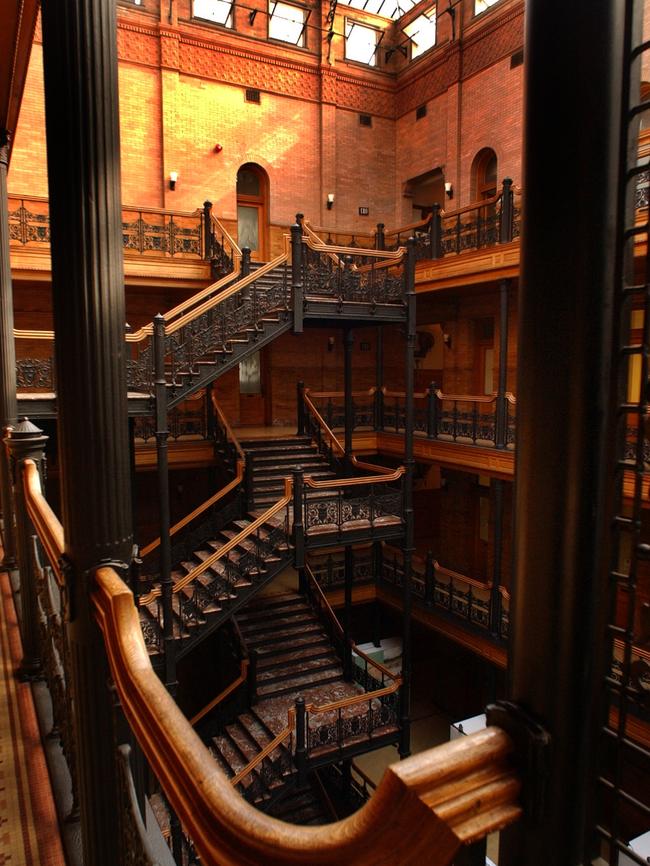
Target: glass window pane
<point>213,10</point>
<point>360,43</point>
<point>422,33</point>
<point>250,375</point>
<point>482,5</point>
<point>248,227</point>
<point>248,182</point>
<point>286,23</point>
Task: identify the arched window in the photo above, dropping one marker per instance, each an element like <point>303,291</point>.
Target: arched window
<point>484,174</point>
<point>252,199</point>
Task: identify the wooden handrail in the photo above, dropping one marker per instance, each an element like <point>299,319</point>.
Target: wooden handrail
<point>318,245</point>
<point>472,206</point>
<point>228,428</point>
<point>243,674</point>
<point>201,509</point>
<point>467,398</point>
<point>416,394</point>
<point>420,224</point>
<point>234,542</point>
<point>354,700</point>
<point>336,483</point>
<point>456,575</point>
<point>319,395</point>
<point>266,751</point>
<point>46,523</point>
<point>400,824</point>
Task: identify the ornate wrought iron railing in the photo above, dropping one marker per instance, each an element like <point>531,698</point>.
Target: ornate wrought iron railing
<point>225,830</point>
<point>189,420</point>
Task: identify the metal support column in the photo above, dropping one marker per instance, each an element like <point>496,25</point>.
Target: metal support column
<point>347,614</point>
<point>501,420</point>
<point>495,594</point>
<point>348,344</point>
<point>563,490</point>
<point>409,463</point>
<point>83,153</point>
<point>379,380</point>
<point>7,359</point>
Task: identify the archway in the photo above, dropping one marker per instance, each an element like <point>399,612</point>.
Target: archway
<point>252,210</point>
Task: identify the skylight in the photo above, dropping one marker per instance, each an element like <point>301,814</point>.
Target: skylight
<point>218,11</point>
<point>388,8</point>
<point>287,23</point>
<point>422,33</point>
<point>360,43</point>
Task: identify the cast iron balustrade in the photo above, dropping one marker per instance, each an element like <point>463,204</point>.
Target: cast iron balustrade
<point>186,421</point>
<point>351,277</point>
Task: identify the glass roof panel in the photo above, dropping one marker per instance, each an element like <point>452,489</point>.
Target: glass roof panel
<point>388,8</point>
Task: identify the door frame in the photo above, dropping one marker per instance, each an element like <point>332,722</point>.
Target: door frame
<point>261,202</point>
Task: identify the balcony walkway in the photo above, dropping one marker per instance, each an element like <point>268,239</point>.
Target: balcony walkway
<point>29,831</point>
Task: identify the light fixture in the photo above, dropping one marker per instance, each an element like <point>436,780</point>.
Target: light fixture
<point>449,190</point>
<point>173,177</point>
<point>330,200</point>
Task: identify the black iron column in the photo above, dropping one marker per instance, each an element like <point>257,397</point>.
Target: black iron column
<point>347,614</point>
<point>7,358</point>
<point>501,420</point>
<point>379,380</point>
<point>348,344</point>
<point>409,546</point>
<point>563,468</point>
<point>82,123</point>
<point>496,485</point>
<point>26,442</point>
<point>164,519</point>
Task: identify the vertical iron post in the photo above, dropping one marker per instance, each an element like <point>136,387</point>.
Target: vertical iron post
<point>164,518</point>
<point>8,405</point>
<point>347,614</point>
<point>435,233</point>
<point>495,594</point>
<point>507,212</point>
<point>563,491</point>
<point>245,264</point>
<point>207,230</point>
<point>300,407</point>
<point>409,547</point>
<point>501,420</point>
<point>348,344</point>
<point>300,755</point>
<point>380,238</point>
<point>379,380</point>
<point>298,525</point>
<point>432,411</point>
<point>296,277</point>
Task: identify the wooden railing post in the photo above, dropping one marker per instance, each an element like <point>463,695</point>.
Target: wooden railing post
<point>432,411</point>
<point>251,677</point>
<point>507,212</point>
<point>380,237</point>
<point>435,233</point>
<point>429,580</point>
<point>25,441</point>
<point>300,754</point>
<point>300,404</point>
<point>296,277</point>
<point>298,525</point>
<point>207,230</point>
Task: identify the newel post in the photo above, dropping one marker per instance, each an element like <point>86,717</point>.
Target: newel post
<point>298,525</point>
<point>207,230</point>
<point>245,264</point>
<point>507,212</point>
<point>296,277</point>
<point>300,755</point>
<point>380,237</point>
<point>435,233</point>
<point>26,442</point>
<point>251,677</point>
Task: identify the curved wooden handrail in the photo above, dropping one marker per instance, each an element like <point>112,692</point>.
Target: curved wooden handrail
<point>46,523</point>
<point>475,205</point>
<point>234,542</point>
<point>266,751</point>
<point>456,575</point>
<point>470,781</point>
<point>419,224</point>
<point>228,428</point>
<point>321,395</point>
<point>241,679</point>
<point>316,243</point>
<point>416,394</point>
<point>336,483</point>
<point>467,398</point>
<point>199,510</point>
<point>338,448</point>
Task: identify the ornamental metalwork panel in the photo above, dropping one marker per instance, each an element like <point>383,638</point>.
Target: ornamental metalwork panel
<point>28,226</point>
<point>351,278</point>
<point>349,728</point>
<point>467,233</point>
<point>173,235</point>
<point>35,374</point>
<point>136,846</point>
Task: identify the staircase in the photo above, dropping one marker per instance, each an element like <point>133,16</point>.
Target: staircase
<point>222,588</point>
<point>273,460</point>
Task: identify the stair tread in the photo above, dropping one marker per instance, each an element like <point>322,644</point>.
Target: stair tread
<point>311,666</point>
<point>309,679</point>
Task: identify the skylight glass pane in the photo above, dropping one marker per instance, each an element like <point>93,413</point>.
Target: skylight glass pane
<point>286,23</point>
<point>422,33</point>
<point>360,43</point>
<point>387,8</point>
<point>217,11</point>
<point>482,5</point>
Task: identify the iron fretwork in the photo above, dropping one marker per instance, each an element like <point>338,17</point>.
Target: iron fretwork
<point>353,277</point>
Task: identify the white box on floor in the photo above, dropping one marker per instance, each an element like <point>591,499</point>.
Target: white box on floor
<point>467,726</point>
<point>640,846</point>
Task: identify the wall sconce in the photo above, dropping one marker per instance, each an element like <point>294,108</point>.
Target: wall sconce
<point>446,339</point>
<point>330,200</point>
<point>173,177</point>
<point>449,190</point>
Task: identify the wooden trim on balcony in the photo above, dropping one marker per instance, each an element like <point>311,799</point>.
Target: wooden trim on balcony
<point>471,458</point>
<point>188,454</point>
<point>476,266</point>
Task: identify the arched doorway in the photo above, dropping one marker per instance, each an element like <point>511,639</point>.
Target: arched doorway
<point>252,209</point>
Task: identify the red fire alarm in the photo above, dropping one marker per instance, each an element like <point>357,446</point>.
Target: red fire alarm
<point>218,148</point>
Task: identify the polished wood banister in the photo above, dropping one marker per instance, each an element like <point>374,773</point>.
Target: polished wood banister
<point>201,509</point>
<point>467,398</point>
<point>241,679</point>
<point>46,523</point>
<point>354,700</point>
<point>336,443</point>
<point>416,394</point>
<point>266,751</point>
<point>399,824</point>
<point>230,545</point>
<point>456,575</point>
<point>319,395</point>
<point>228,428</point>
<point>336,483</point>
<point>420,224</point>
<point>476,205</point>
<point>315,243</point>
